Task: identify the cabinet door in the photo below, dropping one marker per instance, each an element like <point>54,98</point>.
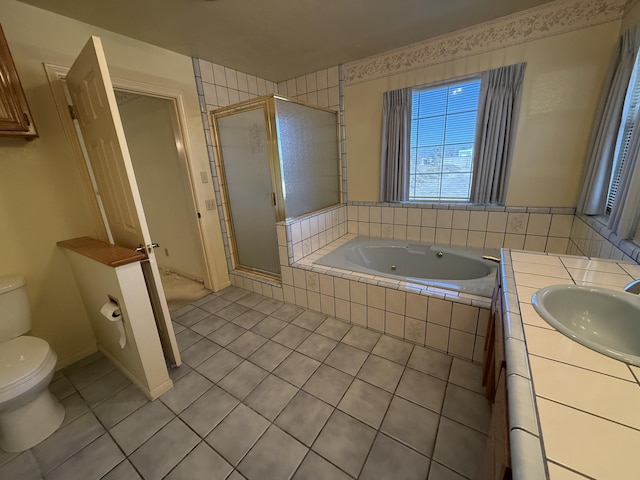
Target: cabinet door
<point>15,117</point>
<point>493,355</point>
<point>497,458</point>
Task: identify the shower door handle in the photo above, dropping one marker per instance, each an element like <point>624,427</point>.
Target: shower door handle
<point>273,198</point>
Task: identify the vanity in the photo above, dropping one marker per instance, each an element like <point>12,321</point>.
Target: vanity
<point>567,412</point>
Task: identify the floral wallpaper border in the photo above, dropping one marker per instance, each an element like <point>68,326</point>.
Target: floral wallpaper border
<point>550,19</point>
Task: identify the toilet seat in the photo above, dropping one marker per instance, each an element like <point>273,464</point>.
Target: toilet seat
<point>24,362</point>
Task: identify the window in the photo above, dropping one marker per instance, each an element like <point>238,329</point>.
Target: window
<point>629,122</point>
<point>443,127</point>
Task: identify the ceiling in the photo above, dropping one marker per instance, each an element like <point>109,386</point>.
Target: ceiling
<point>281,39</point>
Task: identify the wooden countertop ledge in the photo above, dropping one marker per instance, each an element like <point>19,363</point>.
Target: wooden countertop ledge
<point>103,252</point>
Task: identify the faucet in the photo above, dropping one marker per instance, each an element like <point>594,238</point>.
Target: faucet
<point>633,287</point>
<point>491,258</point>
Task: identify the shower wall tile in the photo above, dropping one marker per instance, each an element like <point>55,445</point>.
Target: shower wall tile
<point>324,88</point>
<point>323,85</point>
<point>219,86</point>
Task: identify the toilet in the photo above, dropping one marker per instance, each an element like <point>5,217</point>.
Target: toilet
<point>29,413</point>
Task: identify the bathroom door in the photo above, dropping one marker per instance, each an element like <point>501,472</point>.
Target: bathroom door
<point>97,113</point>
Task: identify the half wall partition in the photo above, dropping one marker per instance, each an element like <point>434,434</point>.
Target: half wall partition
<point>278,160</point>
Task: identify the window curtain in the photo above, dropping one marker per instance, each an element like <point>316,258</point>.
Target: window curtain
<point>396,129</point>
<point>602,145</point>
<point>500,93</point>
<point>624,214</point>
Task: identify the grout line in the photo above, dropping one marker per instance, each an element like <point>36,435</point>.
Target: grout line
<point>369,353</point>
<point>592,414</point>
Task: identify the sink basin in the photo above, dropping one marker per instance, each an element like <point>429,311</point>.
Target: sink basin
<point>607,321</point>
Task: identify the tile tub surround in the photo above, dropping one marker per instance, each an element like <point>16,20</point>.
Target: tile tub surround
<point>255,401</point>
<point>480,226</point>
<point>453,322</point>
<point>591,237</point>
<point>296,238</point>
<point>442,319</point>
<point>582,417</point>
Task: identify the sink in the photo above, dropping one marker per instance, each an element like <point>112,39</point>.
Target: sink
<point>607,321</point>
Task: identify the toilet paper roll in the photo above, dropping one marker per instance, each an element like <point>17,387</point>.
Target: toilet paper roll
<point>111,311</point>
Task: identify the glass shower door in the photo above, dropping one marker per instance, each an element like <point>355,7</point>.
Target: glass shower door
<point>308,147</point>
<point>245,159</point>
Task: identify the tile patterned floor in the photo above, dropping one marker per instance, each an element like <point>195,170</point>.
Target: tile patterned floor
<point>269,391</point>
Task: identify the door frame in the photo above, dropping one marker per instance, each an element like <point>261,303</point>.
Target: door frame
<point>263,104</point>
<point>216,275</point>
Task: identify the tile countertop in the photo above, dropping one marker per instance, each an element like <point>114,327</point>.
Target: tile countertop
<point>573,413</point>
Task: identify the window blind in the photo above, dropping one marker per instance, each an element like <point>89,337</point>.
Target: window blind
<point>630,120</point>
<point>443,124</point>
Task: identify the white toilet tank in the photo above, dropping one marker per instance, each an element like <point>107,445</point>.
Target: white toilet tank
<point>15,313</point>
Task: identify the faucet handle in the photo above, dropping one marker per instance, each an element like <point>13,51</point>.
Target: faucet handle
<point>633,287</point>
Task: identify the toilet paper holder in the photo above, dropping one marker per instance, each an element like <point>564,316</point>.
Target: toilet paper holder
<point>112,312</point>
<point>116,313</point>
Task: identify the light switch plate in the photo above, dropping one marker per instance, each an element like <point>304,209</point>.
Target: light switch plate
<point>204,177</point>
<point>210,204</point>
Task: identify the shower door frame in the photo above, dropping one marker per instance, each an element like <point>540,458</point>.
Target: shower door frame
<point>274,168</point>
<point>269,105</point>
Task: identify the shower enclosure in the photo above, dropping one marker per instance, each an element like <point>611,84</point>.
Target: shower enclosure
<point>279,160</point>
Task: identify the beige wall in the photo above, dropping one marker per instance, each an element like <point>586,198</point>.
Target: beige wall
<point>562,85</point>
<point>41,198</point>
<point>631,17</point>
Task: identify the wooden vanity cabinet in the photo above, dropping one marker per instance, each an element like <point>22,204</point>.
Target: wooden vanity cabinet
<point>15,116</point>
<point>497,459</point>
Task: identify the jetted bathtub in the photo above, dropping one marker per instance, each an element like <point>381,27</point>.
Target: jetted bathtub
<point>454,268</point>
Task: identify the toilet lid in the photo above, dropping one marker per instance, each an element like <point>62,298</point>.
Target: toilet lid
<point>20,358</point>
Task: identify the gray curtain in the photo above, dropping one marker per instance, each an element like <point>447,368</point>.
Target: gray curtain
<point>602,145</point>
<point>396,129</point>
<point>500,93</point>
<point>624,214</point>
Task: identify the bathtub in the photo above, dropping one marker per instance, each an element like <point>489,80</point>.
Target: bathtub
<point>454,268</point>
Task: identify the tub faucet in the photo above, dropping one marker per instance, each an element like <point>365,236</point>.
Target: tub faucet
<point>491,258</point>
<point>633,287</point>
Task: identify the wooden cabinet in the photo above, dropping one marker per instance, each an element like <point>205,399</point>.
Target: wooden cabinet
<point>15,116</point>
<point>497,461</point>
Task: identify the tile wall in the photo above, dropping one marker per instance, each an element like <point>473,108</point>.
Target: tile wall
<point>536,229</point>
<point>325,89</point>
<point>219,86</point>
<point>296,238</point>
<point>590,237</point>
<point>300,237</point>
<point>320,88</point>
<point>442,319</point>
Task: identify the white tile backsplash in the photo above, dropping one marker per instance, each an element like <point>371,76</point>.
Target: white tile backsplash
<point>539,224</point>
<point>497,222</point>
<point>444,218</point>
<point>478,221</point>
<point>461,219</point>
<point>517,223</point>
<point>414,216</point>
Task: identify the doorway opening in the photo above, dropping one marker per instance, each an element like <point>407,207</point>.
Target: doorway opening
<point>156,146</point>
